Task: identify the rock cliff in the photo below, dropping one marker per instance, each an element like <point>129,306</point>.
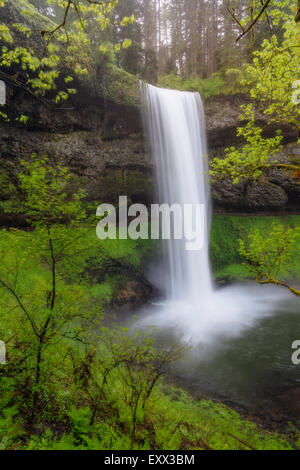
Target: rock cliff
<point>102,143</point>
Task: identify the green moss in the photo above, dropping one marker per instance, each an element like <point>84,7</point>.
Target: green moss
<point>134,183</point>
<point>101,268</point>
<point>120,86</point>
<point>233,272</point>
<point>204,424</point>
<point>220,83</point>
<point>225,234</point>
<point>28,12</point>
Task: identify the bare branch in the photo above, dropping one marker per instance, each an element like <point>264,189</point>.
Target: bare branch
<point>254,20</point>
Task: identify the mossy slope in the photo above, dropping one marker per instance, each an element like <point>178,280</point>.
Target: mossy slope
<point>225,234</point>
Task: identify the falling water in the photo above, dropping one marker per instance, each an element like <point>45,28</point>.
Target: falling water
<point>176,128</point>
<point>175,124</point>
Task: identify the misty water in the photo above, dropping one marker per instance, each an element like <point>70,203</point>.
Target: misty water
<point>240,336</point>
<point>241,356</point>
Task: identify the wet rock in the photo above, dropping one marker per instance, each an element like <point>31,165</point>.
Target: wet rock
<point>265,196</point>
<point>276,189</point>
<point>105,169</point>
<point>103,145</point>
<point>226,194</point>
<point>134,293</point>
<point>291,401</point>
<point>289,180</point>
<point>222,119</point>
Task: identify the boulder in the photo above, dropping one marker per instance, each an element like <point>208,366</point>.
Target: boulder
<point>134,294</point>
<point>228,195</point>
<point>262,196</point>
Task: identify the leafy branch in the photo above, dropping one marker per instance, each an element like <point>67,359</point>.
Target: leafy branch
<point>270,255</point>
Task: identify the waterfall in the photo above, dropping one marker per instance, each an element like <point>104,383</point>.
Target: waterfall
<point>175,124</point>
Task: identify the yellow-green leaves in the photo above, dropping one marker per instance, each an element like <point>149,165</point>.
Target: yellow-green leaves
<point>68,79</point>
<point>126,43</point>
<point>22,28</point>
<point>4,116</point>
<point>79,70</point>
<point>5,33</point>
<point>273,72</point>
<point>250,160</point>
<point>128,20</point>
<point>267,254</point>
<point>45,200</point>
<point>271,79</point>
<point>45,81</point>
<point>68,46</point>
<point>22,119</point>
<point>52,61</point>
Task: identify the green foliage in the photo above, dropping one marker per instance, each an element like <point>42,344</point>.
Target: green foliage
<point>268,252</point>
<point>10,429</point>
<point>207,425</point>
<point>271,80</point>
<point>54,319</point>
<point>107,393</point>
<point>275,69</point>
<point>219,83</point>
<point>268,255</point>
<point>140,367</point>
<point>45,309</point>
<point>44,56</point>
<point>251,159</point>
<point>80,421</point>
<point>42,195</point>
<point>10,424</point>
<point>120,86</point>
<point>207,87</point>
<point>229,231</point>
<point>108,53</point>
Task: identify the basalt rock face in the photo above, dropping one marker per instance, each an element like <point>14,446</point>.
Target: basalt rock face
<point>222,118</point>
<point>275,190</point>
<point>102,144</point>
